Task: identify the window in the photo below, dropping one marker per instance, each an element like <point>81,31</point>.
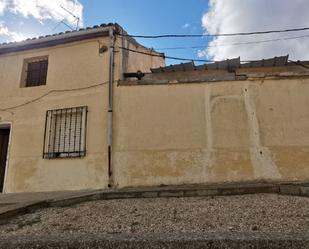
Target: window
<point>65,133</point>
<point>35,72</point>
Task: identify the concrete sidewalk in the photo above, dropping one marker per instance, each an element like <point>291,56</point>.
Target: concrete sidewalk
<point>21,203</point>
<point>7,199</point>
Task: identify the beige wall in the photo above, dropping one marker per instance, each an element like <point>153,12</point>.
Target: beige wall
<point>212,132</point>
<point>133,62</point>
<point>163,134</point>
<point>72,67</point>
<point>77,76</point>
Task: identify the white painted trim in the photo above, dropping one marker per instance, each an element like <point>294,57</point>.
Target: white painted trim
<point>7,125</point>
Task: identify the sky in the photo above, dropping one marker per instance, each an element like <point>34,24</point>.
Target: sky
<point>20,19</point>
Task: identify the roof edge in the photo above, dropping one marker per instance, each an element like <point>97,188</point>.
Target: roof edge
<point>57,39</point>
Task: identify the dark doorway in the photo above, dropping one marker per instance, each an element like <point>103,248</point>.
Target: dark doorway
<point>4,143</point>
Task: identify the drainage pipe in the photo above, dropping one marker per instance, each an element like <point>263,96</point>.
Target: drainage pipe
<point>110,106</point>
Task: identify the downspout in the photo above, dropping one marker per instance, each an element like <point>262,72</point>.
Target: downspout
<point>110,106</point>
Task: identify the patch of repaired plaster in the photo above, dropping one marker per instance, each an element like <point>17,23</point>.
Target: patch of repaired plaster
<point>261,158</point>
<point>208,107</point>
<point>222,97</point>
<point>208,154</point>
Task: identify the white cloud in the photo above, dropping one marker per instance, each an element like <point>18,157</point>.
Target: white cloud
<point>10,35</point>
<point>16,36</point>
<point>3,4</point>
<point>3,29</point>
<point>48,9</point>
<point>185,26</point>
<point>226,16</point>
<point>40,10</point>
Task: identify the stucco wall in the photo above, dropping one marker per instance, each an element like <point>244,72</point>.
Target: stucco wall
<point>133,62</point>
<point>77,76</point>
<point>188,133</point>
<point>72,66</point>
<point>212,132</point>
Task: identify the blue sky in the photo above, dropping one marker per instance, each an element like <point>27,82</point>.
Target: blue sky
<point>20,19</point>
<point>135,16</point>
<point>153,17</point>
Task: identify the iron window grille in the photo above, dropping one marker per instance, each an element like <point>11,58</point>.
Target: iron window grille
<point>65,133</point>
<point>35,71</point>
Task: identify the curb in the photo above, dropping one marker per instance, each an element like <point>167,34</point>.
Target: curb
<point>167,192</point>
<point>160,192</point>
<point>23,208</point>
<point>294,190</point>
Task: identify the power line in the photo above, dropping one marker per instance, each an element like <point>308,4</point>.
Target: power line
<point>198,60</point>
<point>49,92</point>
<point>164,56</point>
<point>215,35</point>
<point>234,44</point>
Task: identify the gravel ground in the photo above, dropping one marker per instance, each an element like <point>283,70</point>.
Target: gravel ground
<point>260,213</point>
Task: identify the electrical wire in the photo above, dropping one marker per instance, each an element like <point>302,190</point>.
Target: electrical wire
<point>215,35</point>
<point>234,44</point>
<point>104,83</point>
<point>187,59</point>
<point>164,56</point>
<point>49,92</point>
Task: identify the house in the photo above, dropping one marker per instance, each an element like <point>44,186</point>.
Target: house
<point>55,105</point>
<point>94,109</point>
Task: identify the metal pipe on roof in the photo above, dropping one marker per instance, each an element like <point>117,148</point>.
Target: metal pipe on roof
<point>139,75</point>
<point>110,107</point>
